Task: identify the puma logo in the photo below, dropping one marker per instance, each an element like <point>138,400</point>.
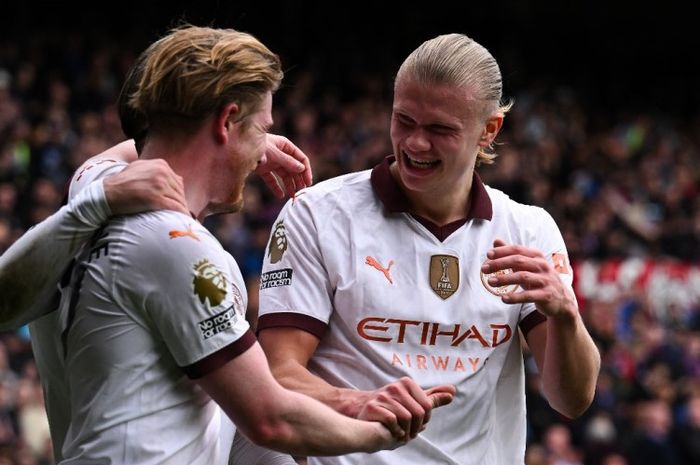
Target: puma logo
<point>371,261</point>
<point>187,233</point>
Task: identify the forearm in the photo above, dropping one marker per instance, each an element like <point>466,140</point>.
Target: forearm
<point>294,376</point>
<point>301,425</point>
<point>31,267</point>
<point>571,365</point>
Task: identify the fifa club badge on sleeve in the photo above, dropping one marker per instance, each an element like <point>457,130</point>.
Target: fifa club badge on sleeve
<point>444,275</point>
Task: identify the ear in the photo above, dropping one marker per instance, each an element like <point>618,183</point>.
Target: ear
<point>491,129</point>
<point>224,121</point>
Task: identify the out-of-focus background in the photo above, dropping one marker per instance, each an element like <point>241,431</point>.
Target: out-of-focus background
<point>604,134</point>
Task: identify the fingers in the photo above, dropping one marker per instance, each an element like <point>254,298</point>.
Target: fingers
<point>404,407</point>
<point>441,395</point>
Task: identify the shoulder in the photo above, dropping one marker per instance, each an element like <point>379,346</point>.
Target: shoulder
<point>504,208</point>
<point>345,192</point>
<point>165,237</point>
<point>91,171</point>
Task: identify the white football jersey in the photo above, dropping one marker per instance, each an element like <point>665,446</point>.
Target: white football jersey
<point>391,295</point>
<point>152,301</point>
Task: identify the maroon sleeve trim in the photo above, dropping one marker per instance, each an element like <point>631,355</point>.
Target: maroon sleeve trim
<point>221,357</point>
<point>530,321</point>
<point>294,320</point>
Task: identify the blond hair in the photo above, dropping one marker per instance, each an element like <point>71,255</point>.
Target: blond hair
<point>182,78</point>
<point>457,60</point>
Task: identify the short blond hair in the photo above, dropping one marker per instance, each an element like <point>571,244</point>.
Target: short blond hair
<point>457,60</point>
<point>185,76</point>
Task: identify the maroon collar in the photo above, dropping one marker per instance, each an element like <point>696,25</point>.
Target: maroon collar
<point>395,201</point>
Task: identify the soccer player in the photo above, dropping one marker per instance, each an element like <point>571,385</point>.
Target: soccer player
<point>417,271</point>
<point>149,349</point>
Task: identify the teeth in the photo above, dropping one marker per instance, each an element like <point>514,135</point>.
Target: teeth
<point>421,163</point>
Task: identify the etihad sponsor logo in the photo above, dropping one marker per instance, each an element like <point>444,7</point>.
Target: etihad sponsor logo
<point>498,290</point>
<point>209,283</point>
<point>444,275</point>
<point>561,263</point>
<point>186,233</point>
<point>218,323</point>
<point>438,362</point>
<point>428,333</point>
<point>371,261</point>
<point>276,278</point>
<point>278,243</point>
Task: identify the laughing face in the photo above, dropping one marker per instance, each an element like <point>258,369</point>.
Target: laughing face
<point>436,133</point>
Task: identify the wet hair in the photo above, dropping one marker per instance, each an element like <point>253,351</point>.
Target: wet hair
<point>457,60</point>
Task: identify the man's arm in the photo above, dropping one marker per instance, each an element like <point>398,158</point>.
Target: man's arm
<point>401,406</point>
<point>565,353</point>
<point>32,267</point>
<point>283,420</point>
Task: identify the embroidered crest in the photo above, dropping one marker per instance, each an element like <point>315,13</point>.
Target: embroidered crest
<point>498,290</point>
<point>278,243</point>
<point>209,282</point>
<point>444,275</point>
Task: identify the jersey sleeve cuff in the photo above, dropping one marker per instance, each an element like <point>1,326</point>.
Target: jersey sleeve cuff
<point>533,319</point>
<point>292,320</point>
<point>90,205</point>
<point>220,357</point>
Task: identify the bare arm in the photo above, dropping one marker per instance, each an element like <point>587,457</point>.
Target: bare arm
<point>283,420</point>
<point>402,406</point>
<point>566,356</point>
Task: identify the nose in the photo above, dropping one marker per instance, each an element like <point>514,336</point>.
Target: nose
<point>417,141</point>
<point>263,159</point>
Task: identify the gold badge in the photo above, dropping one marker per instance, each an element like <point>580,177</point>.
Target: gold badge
<point>444,275</point>
<point>209,283</point>
<point>278,243</point>
<point>498,290</point>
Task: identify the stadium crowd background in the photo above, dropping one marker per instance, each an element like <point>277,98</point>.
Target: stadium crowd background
<point>604,134</point>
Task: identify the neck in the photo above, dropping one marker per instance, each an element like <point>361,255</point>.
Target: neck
<point>184,158</point>
<point>440,208</point>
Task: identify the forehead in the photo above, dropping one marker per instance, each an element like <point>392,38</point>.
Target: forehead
<point>435,102</point>
<point>264,114</point>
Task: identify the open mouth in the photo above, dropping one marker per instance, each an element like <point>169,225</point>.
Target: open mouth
<point>420,164</point>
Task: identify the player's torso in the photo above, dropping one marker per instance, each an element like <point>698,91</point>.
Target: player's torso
<point>408,304</point>
<point>123,381</point>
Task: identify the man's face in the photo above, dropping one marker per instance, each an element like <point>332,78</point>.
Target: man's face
<point>435,132</point>
<point>247,145</point>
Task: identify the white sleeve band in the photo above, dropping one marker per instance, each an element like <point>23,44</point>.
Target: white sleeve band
<point>90,206</point>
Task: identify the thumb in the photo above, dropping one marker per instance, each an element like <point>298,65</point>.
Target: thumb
<point>441,395</point>
<point>499,243</point>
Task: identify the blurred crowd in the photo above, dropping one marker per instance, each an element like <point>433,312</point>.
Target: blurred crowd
<point>623,187</point>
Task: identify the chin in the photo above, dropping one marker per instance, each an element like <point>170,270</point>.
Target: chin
<point>224,208</point>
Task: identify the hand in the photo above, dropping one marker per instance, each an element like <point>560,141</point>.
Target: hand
<point>145,185</point>
<point>403,407</point>
<point>539,282</point>
<point>285,165</point>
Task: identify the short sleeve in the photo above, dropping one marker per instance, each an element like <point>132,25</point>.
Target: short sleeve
<point>294,287</point>
<point>188,288</point>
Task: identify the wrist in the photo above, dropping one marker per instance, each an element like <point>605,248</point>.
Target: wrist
<point>349,401</point>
